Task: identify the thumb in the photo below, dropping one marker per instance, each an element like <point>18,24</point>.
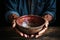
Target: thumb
<point>13,23</point>
<point>47,23</point>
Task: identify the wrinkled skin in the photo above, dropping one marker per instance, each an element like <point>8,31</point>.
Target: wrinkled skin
<point>47,17</point>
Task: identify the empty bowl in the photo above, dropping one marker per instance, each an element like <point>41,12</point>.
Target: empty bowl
<point>30,24</point>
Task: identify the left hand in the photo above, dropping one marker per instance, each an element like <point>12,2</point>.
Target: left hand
<point>48,18</point>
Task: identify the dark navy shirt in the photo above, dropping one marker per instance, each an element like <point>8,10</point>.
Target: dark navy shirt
<point>34,7</point>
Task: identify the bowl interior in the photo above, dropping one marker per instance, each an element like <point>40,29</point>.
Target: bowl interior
<point>30,21</point>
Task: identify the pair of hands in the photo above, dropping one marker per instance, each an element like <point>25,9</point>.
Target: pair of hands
<point>47,17</point>
<point>31,36</point>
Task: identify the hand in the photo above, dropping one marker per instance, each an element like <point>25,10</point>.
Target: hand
<point>43,31</point>
<point>48,17</point>
<point>12,17</point>
<point>17,31</point>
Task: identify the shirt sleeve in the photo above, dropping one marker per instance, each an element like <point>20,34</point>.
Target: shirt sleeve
<point>9,13</point>
<point>51,9</point>
<point>11,8</point>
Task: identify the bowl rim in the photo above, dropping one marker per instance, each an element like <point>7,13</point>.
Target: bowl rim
<point>32,27</point>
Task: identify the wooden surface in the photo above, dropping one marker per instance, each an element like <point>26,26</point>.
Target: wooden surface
<point>6,33</point>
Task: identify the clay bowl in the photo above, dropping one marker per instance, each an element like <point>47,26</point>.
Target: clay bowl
<point>30,24</point>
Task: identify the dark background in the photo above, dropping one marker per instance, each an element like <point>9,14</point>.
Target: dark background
<point>4,23</point>
<point>7,34</point>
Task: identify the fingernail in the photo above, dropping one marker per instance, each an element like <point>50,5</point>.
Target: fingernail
<point>37,36</point>
<point>21,34</point>
<point>32,35</point>
<point>25,35</point>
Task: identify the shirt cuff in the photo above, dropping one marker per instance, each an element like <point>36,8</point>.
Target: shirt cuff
<point>9,13</point>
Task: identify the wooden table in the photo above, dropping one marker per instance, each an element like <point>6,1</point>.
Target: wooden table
<point>6,33</point>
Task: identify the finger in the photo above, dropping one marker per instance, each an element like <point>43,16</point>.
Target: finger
<point>47,23</point>
<point>41,33</point>
<point>32,36</point>
<point>36,36</point>
<point>14,24</point>
<point>21,33</point>
<point>25,35</point>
